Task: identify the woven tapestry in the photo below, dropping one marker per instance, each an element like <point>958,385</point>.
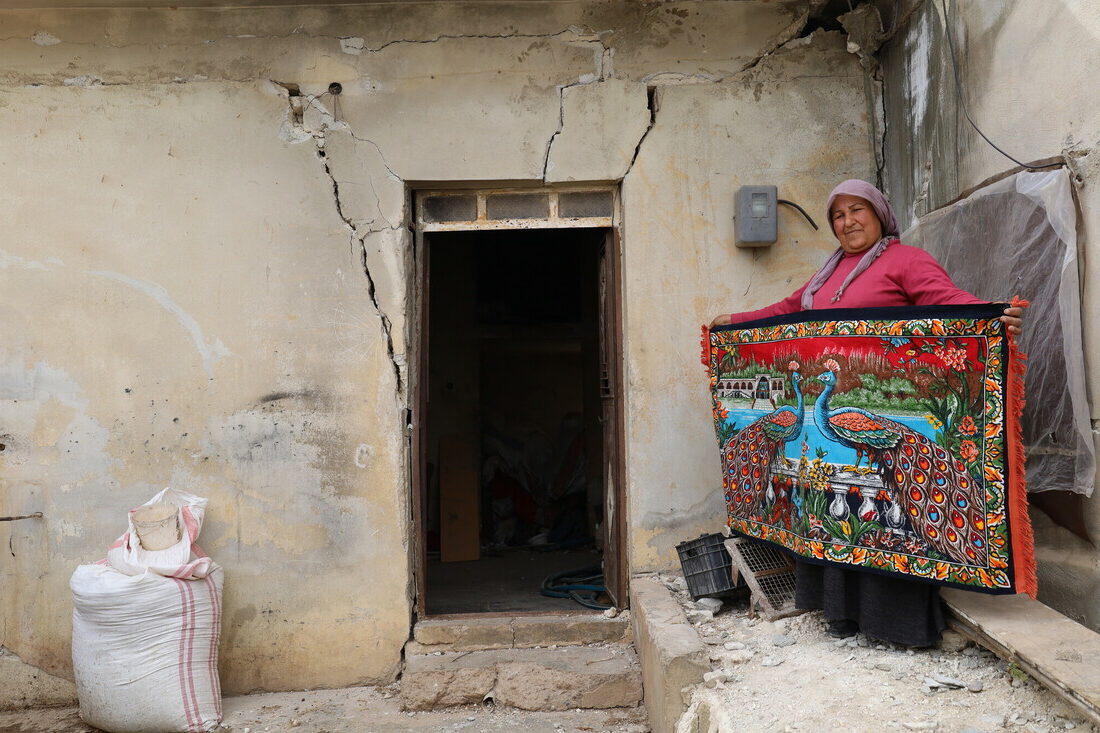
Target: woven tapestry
<point>878,439</point>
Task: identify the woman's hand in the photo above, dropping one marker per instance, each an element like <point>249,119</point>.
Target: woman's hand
<point>724,320</point>
<point>1013,319</point>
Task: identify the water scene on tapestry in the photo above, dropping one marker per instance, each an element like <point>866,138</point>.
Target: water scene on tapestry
<point>876,443</point>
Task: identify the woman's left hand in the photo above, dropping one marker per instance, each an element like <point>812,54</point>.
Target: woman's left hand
<point>1013,319</point>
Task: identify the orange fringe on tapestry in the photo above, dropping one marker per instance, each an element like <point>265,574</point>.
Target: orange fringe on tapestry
<point>704,342</point>
<point>1023,542</point>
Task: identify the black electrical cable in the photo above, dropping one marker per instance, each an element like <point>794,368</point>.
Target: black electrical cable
<point>962,102</point>
<point>803,211</point>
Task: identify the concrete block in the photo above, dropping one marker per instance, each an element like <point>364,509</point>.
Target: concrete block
<point>671,653</point>
<point>562,681</point>
<point>441,688</point>
<point>530,679</point>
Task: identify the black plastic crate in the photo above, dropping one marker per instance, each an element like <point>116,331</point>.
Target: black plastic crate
<point>707,567</point>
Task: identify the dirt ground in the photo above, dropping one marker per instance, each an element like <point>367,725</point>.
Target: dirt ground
<point>790,676</point>
<point>355,710</point>
<point>786,676</point>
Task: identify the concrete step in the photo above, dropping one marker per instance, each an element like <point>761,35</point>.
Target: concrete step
<point>517,632</point>
<point>673,656</point>
<point>568,677</point>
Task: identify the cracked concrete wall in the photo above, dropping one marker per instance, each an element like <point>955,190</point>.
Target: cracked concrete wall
<point>797,120</point>
<point>194,313</point>
<point>1026,71</point>
<point>206,275</point>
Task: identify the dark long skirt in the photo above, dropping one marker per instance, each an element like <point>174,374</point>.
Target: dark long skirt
<point>892,609</point>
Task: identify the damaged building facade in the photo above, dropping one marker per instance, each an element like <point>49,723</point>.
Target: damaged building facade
<point>240,242</point>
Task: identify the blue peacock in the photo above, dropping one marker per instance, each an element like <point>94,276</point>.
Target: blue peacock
<point>932,488</point>
<point>750,453</point>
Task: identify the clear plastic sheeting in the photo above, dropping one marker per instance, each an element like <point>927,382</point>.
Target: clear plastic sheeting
<point>1018,236</point>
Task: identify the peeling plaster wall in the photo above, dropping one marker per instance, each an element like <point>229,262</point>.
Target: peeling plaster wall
<point>1028,75</point>
<point>206,281</point>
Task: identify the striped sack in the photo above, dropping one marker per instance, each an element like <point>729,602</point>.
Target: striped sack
<point>145,650</point>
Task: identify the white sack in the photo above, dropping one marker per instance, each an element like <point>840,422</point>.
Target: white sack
<point>145,650</point>
<point>183,560</point>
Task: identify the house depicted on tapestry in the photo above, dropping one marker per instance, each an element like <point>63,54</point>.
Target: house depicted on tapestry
<point>411,291</point>
<point>764,386</point>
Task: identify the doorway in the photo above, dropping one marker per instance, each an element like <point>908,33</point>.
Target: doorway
<point>519,422</point>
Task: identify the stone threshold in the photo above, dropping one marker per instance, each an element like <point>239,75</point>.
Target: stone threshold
<point>516,631</point>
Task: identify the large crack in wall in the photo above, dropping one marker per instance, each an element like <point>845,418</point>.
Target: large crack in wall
<point>653,104</point>
<point>793,33</point>
<point>372,290</point>
<point>296,130</point>
<point>790,36</point>
<point>603,71</point>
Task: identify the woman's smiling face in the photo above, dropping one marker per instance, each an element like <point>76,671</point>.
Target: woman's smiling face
<point>855,223</point>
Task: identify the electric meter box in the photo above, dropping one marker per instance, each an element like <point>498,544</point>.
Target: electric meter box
<point>754,224</point>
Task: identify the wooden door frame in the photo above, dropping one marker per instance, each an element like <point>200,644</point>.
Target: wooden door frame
<point>418,408</point>
<point>419,282</point>
<point>617,576</point>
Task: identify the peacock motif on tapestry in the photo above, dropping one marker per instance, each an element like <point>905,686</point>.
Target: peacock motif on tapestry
<point>943,502</point>
<point>750,453</point>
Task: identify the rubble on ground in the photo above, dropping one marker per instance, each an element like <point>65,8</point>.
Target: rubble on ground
<point>791,676</point>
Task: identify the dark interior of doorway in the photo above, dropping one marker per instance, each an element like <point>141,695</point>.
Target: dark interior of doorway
<point>513,485</point>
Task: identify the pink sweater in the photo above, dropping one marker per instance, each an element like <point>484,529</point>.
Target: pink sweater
<point>902,275</point>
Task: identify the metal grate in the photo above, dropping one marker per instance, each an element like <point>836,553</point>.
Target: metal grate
<point>586,204</point>
<point>769,573</point>
<point>518,206</point>
<point>449,208</point>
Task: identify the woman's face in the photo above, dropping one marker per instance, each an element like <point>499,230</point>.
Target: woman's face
<point>855,223</point>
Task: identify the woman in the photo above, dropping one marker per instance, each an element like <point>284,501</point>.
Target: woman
<point>871,269</point>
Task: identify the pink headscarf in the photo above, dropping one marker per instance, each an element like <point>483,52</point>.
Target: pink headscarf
<point>886,216</point>
<point>863,189</point>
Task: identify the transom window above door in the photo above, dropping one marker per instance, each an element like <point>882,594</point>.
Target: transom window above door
<point>459,210</point>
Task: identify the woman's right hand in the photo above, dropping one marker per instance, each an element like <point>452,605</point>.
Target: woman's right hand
<point>722,320</point>
<point>1013,319</point>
